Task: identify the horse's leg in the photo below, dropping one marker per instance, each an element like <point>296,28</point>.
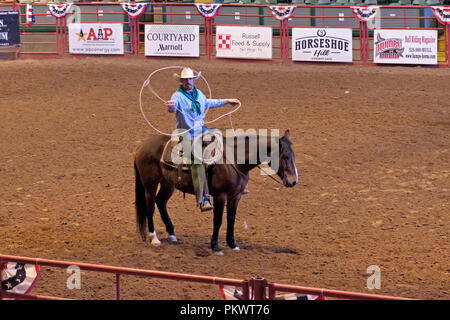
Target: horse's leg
<point>145,205</point>
<point>164,194</point>
<point>150,197</point>
<point>219,204</point>
<point>232,205</point>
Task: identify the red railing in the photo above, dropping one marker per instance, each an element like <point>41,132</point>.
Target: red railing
<point>339,294</point>
<point>118,271</point>
<point>41,43</point>
<point>253,289</point>
<point>8,5</point>
<point>248,15</point>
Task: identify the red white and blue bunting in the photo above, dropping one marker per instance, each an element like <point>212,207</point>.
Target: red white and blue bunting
<point>442,14</point>
<point>282,12</point>
<point>18,277</point>
<point>208,10</point>
<point>365,14</point>
<point>133,10</point>
<point>29,19</point>
<point>59,10</point>
<point>235,293</point>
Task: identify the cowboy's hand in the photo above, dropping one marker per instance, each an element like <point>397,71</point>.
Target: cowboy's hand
<point>170,105</point>
<point>233,102</point>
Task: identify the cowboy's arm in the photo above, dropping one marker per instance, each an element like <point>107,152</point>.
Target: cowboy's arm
<point>172,103</point>
<point>215,103</point>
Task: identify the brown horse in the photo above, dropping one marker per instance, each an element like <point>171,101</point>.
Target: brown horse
<point>226,183</point>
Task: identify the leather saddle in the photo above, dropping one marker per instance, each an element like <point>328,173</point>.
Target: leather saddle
<point>172,150</point>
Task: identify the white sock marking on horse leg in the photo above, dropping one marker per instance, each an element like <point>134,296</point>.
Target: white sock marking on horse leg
<point>296,173</point>
<point>155,240</point>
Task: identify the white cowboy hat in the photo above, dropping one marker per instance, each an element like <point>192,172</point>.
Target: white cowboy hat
<point>187,73</point>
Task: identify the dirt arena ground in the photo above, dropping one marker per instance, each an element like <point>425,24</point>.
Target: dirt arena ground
<point>372,148</point>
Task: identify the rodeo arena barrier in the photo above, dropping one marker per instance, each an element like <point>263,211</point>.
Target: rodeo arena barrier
<point>352,34</point>
<point>19,274</point>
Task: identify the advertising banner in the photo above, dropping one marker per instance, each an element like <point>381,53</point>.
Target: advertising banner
<point>244,42</point>
<point>96,38</point>
<point>9,28</point>
<point>322,45</point>
<point>405,46</point>
<point>172,40</point>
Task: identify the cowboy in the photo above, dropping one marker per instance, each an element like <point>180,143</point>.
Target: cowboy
<point>190,104</point>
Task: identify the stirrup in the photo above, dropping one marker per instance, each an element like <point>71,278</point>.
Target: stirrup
<point>206,206</point>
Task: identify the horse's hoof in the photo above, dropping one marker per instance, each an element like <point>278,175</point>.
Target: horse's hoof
<point>173,239</point>
<point>156,242</point>
<point>232,244</point>
<point>218,253</point>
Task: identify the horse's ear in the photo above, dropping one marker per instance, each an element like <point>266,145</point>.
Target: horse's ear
<point>287,134</point>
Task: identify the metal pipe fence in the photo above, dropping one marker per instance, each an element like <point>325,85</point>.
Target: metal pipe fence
<point>254,289</point>
<point>120,271</point>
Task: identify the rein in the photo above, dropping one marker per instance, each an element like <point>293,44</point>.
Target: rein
<point>262,169</point>
<point>270,176</point>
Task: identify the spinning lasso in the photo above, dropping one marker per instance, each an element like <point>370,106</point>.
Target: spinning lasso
<point>147,84</point>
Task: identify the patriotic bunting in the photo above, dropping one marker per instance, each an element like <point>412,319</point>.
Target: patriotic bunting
<point>282,12</point>
<point>59,10</point>
<point>18,277</point>
<point>365,14</point>
<point>442,14</point>
<point>30,15</point>
<point>133,10</point>
<point>234,293</point>
<point>208,10</point>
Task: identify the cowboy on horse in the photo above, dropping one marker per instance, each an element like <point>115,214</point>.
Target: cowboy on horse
<point>156,179</point>
<point>189,105</point>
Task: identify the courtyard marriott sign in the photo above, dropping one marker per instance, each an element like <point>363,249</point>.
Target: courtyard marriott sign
<point>172,40</point>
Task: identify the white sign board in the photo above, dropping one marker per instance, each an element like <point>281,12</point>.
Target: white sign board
<point>322,45</point>
<point>405,46</point>
<point>172,40</point>
<point>95,38</point>
<point>244,42</point>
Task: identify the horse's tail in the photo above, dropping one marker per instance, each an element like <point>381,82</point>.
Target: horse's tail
<point>141,206</point>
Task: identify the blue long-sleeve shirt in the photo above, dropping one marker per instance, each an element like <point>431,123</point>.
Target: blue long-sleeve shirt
<point>185,115</point>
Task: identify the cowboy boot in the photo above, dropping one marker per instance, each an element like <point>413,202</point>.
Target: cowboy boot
<point>206,202</point>
<point>206,205</point>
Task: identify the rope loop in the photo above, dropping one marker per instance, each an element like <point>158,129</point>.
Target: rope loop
<point>148,84</point>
